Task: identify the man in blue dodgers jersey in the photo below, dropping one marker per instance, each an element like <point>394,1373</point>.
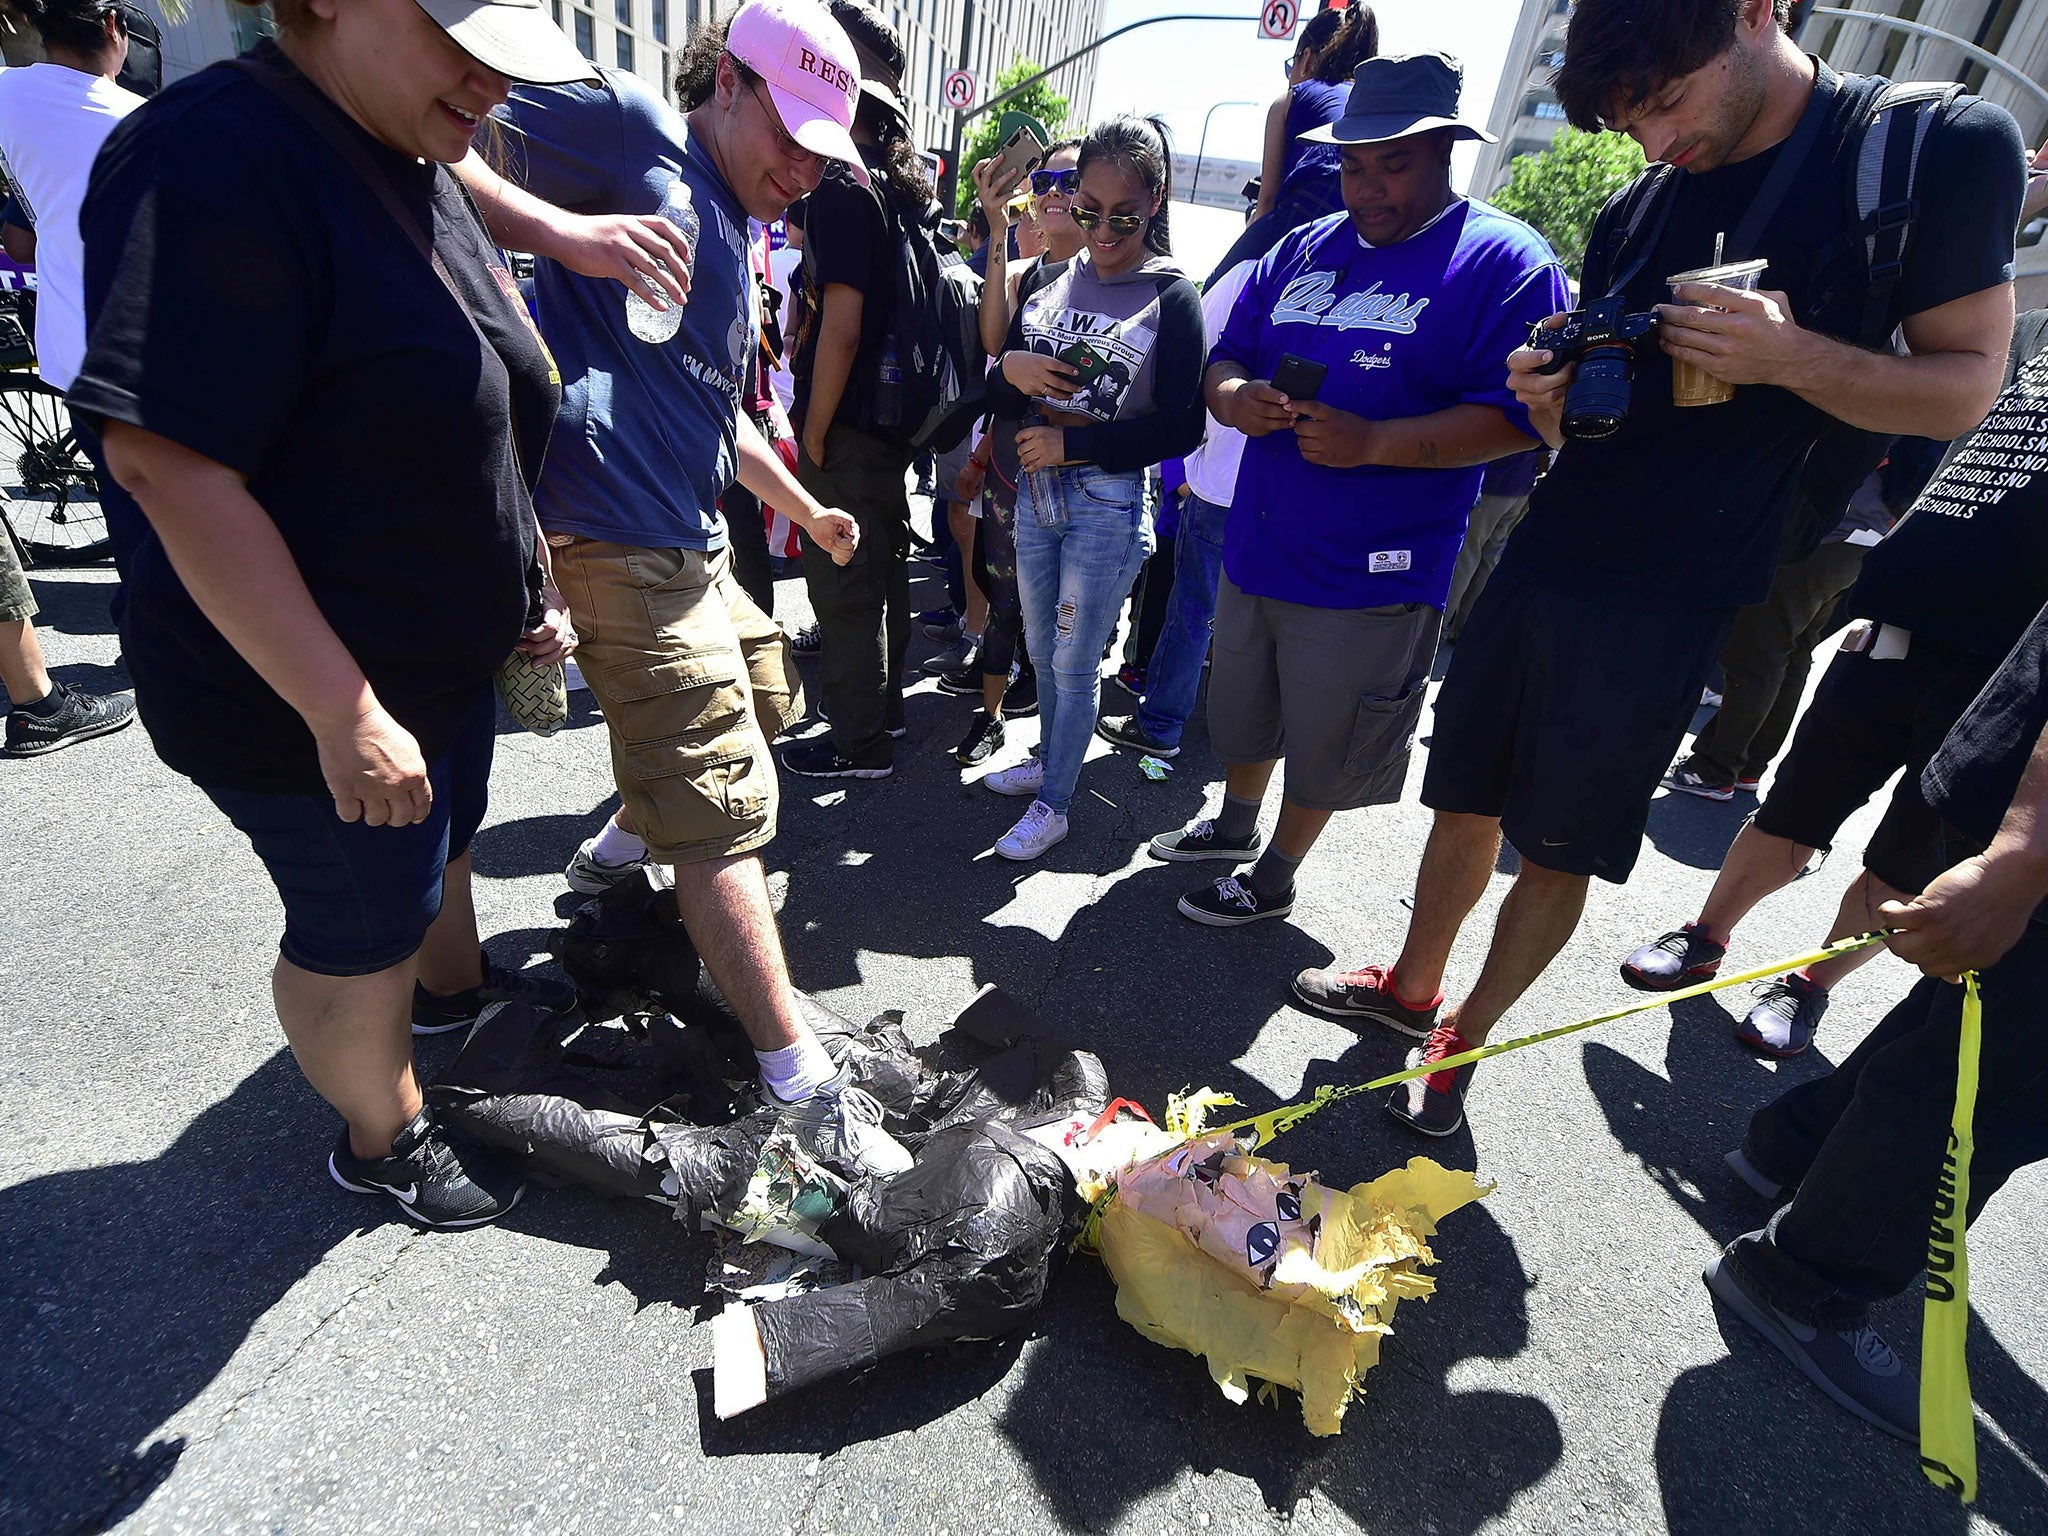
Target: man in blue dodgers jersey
<point>1350,506</point>
<point>1581,667</point>
<point>694,679</point>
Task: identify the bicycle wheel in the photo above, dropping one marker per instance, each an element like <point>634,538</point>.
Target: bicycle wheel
<point>52,494</point>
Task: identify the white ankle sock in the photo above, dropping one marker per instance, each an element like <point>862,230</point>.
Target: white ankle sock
<point>616,846</point>
<point>797,1071</point>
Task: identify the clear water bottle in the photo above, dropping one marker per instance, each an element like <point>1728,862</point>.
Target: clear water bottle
<point>1044,486</point>
<point>642,318</point>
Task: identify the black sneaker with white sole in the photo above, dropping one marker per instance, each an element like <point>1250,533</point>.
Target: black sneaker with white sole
<point>1124,731</point>
<point>983,740</point>
<point>819,759</point>
<point>1232,902</point>
<point>1020,699</point>
<point>1689,780</point>
<point>1854,1366</point>
<point>1199,839</point>
<point>436,1014</point>
<point>67,716</point>
<point>433,1184</point>
<point>1434,1105</point>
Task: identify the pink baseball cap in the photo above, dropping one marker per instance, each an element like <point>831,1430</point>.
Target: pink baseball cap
<point>807,62</point>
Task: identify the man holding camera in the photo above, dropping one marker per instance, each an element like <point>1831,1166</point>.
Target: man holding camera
<point>1583,663</point>
<point>1361,361</point>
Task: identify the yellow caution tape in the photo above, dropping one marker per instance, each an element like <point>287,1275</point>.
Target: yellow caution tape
<point>1948,1427</point>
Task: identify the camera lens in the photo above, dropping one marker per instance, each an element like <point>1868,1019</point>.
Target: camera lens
<point>1597,403</point>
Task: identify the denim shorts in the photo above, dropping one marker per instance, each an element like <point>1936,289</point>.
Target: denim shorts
<point>359,899</point>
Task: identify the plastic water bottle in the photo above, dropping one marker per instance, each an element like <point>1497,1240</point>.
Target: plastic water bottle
<point>642,318</point>
<point>1047,490</point>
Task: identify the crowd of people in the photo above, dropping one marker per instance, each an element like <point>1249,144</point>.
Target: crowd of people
<point>354,468</point>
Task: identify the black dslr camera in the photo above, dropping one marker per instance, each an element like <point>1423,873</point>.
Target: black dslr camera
<point>1602,341</point>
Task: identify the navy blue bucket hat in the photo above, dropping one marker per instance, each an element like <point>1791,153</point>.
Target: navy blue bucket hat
<point>1392,98</point>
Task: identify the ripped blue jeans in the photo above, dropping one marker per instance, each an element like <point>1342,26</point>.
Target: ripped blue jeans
<point>1072,579</point>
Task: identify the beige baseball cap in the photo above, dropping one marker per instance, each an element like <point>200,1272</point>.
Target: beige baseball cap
<point>517,38</point>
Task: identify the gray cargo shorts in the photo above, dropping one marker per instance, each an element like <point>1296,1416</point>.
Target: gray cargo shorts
<point>1336,692</point>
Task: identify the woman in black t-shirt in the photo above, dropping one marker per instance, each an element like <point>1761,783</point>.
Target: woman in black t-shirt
<point>333,439</point>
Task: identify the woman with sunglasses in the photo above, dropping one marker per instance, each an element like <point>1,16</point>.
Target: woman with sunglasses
<point>1099,378</point>
<point>1298,183</point>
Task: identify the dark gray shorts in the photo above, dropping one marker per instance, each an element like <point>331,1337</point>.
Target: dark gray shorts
<point>16,601</point>
<point>1337,692</point>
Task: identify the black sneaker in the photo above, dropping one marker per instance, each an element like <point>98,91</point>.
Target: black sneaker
<point>1124,731</point>
<point>433,1014</point>
<point>1434,1105</point>
<point>1678,959</point>
<point>1854,1366</point>
<point>433,1184</point>
<point>1366,994</point>
<point>939,623</point>
<point>1688,780</point>
<point>1199,839</point>
<point>78,717</point>
<point>821,760</point>
<point>807,641</point>
<point>1232,902</point>
<point>964,680</point>
<point>964,652</point>
<point>983,740</point>
<point>1020,699</point>
<point>1786,1014</point>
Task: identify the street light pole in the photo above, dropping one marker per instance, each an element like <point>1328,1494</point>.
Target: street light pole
<point>960,119</point>
<point>1991,62</point>
<point>1195,182</point>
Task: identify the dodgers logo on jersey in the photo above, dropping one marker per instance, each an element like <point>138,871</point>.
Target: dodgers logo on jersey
<point>1307,300</point>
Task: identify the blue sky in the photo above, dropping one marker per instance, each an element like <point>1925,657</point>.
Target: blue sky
<point>1179,69</point>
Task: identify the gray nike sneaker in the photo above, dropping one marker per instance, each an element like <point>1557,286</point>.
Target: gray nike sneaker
<point>433,1184</point>
<point>1853,1366</point>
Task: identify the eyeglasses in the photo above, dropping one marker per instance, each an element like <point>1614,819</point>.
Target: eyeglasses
<point>1119,223</point>
<point>783,140</point>
<point>1067,181</point>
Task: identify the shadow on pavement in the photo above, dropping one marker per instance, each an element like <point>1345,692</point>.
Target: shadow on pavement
<point>1696,832</point>
<point>130,1284</point>
<point>72,607</point>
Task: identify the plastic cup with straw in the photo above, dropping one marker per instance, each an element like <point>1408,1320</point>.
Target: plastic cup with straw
<point>1690,384</point>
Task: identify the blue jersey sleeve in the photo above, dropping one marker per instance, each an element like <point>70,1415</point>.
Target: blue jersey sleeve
<point>565,144</point>
<point>1539,292</point>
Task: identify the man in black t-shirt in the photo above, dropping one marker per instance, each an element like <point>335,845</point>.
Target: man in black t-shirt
<point>1939,604</point>
<point>1579,671</point>
<point>1862,1150</point>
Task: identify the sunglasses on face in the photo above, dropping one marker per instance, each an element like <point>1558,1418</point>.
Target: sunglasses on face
<point>1045,182</point>
<point>1119,223</point>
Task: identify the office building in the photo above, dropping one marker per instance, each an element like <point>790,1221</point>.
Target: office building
<point>1526,114</point>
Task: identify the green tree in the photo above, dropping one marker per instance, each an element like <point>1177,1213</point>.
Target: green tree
<point>1562,190</point>
<point>1040,100</point>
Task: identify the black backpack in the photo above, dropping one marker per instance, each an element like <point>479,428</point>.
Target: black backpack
<point>1883,173</point>
<point>929,377</point>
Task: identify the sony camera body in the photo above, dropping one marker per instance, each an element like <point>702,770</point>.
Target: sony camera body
<point>1603,341</point>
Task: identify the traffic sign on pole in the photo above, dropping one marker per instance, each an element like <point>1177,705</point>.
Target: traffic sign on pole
<point>960,86</point>
<point>1278,18</point>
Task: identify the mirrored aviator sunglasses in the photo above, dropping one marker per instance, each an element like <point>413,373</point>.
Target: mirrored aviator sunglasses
<point>1119,223</point>
<point>1044,183</point>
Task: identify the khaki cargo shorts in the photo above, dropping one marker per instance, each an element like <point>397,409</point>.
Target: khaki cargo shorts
<point>695,681</point>
<point>16,601</point>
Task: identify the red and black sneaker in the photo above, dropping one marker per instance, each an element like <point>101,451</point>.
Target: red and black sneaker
<point>1434,1105</point>
<point>1677,959</point>
<point>1366,994</point>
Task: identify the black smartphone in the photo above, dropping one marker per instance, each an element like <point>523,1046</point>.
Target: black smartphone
<point>1298,378</point>
<point>1089,364</point>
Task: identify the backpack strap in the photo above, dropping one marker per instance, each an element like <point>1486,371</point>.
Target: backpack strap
<point>1649,190</point>
<point>1887,171</point>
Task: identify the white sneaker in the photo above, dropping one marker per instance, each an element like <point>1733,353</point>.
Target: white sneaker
<point>1027,778</point>
<point>842,1125</point>
<point>1037,830</point>
<point>591,876</point>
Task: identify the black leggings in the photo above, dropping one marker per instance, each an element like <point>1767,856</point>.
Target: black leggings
<point>995,567</point>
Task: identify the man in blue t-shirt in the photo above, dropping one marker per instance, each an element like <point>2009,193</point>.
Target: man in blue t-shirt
<point>694,679</point>
<point>1583,662</point>
<point>1362,361</point>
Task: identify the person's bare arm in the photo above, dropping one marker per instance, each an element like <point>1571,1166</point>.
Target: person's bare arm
<point>1455,438</point>
<point>839,313</point>
<point>998,295</point>
<point>1969,916</point>
<point>1941,390</point>
<point>19,244</point>
<point>1253,406</point>
<point>624,247</point>
<point>234,562</point>
<point>1274,155</point>
<point>762,472</point>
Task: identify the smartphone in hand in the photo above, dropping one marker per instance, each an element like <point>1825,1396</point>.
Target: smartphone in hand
<point>1088,364</point>
<point>1298,378</point>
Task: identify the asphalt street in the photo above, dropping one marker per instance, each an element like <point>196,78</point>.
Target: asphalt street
<point>200,1333</point>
